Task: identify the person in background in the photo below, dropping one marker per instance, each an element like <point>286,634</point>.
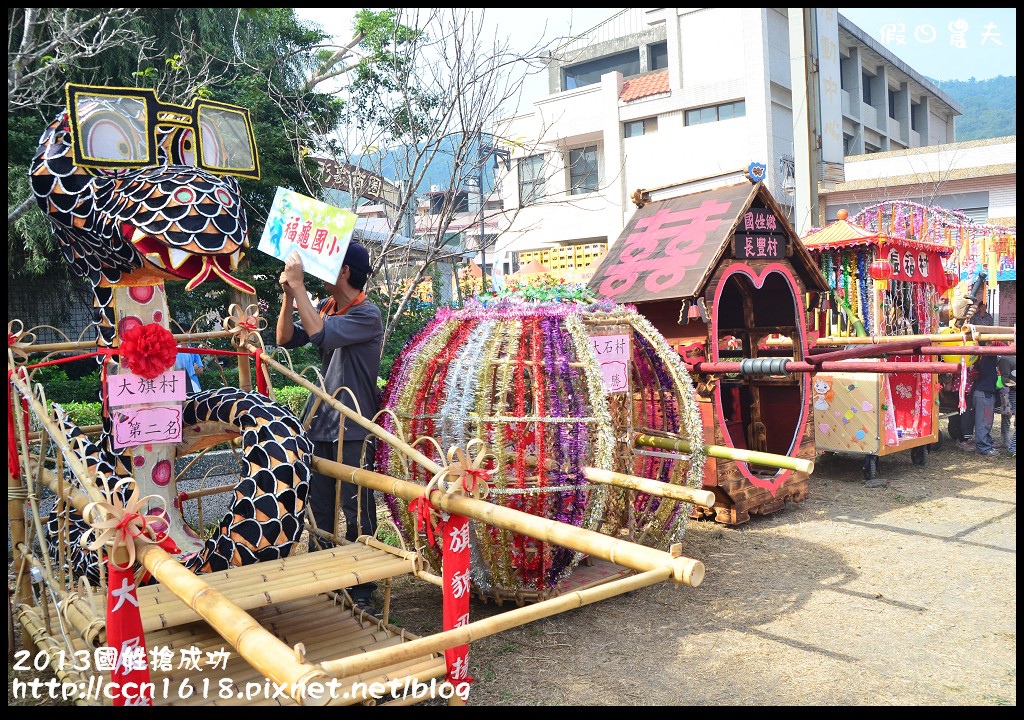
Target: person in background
<point>1007,366</point>
<point>348,330</point>
<point>984,394</point>
<point>192,364</point>
<point>982,316</point>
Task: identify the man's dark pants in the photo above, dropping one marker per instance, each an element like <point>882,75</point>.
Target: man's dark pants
<point>322,494</point>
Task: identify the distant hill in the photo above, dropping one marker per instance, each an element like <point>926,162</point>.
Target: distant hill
<point>990,106</point>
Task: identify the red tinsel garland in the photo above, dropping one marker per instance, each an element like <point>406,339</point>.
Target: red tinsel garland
<point>148,350</point>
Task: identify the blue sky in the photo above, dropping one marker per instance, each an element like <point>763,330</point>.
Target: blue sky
<point>945,43</point>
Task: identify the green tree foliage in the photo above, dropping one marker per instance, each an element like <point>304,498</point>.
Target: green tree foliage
<point>990,106</point>
<point>224,54</point>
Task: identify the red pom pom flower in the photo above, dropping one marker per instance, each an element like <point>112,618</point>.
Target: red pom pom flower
<point>148,350</point>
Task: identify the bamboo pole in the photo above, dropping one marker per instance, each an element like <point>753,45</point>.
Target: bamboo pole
<point>704,498</point>
<point>87,429</point>
<point>657,488</point>
<point>345,667</point>
<point>870,366</point>
<point>244,373</point>
<point>621,552</point>
<point>970,350</point>
<point>53,649</point>
<point>862,351</point>
<point>351,415</point>
<point>92,629</point>
<point>192,495</point>
<point>987,334</point>
<point>17,494</point>
<point>721,452</point>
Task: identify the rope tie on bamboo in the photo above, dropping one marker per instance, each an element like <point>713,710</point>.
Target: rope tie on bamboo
<point>423,510</point>
<point>123,524</point>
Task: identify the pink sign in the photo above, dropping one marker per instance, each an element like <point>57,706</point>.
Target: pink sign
<point>131,389</point>
<point>146,425</point>
<point>613,355</point>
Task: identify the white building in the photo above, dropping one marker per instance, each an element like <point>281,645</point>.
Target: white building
<point>976,177</point>
<point>671,100</point>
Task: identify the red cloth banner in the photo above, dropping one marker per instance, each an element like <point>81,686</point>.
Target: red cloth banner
<point>910,265</point>
<point>124,634</point>
<point>454,536</point>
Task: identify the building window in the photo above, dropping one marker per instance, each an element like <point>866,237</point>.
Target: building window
<point>714,113</point>
<point>531,179</point>
<point>869,148</point>
<point>635,128</point>
<point>583,176</point>
<point>590,72</point>
<point>892,103</point>
<point>915,116</point>
<point>847,144</point>
<point>865,87</point>
<point>657,56</point>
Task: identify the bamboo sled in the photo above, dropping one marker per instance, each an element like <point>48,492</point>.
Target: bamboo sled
<point>285,628</point>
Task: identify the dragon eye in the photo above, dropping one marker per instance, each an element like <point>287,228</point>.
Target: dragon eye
<point>114,137</point>
<point>187,147</point>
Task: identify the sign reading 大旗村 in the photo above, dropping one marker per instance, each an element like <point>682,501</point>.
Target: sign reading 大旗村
<point>320,232</point>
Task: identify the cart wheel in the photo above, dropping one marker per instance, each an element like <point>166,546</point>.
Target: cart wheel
<point>870,467</point>
<point>955,429</point>
<point>919,455</point>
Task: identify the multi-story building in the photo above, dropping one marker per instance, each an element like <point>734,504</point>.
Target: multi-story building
<point>674,100</point>
<point>977,179</point>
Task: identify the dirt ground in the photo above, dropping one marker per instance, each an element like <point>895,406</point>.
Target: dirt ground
<point>900,595</point>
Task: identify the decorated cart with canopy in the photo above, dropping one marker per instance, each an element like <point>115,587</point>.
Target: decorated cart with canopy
<point>882,287</point>
<point>721,274</point>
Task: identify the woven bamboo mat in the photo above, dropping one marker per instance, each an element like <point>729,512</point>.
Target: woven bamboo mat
<point>204,670</point>
<point>276,581</point>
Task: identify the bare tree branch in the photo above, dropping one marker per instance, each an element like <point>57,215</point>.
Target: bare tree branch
<point>42,42</point>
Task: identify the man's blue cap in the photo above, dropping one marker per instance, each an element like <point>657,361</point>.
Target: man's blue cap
<point>357,257</point>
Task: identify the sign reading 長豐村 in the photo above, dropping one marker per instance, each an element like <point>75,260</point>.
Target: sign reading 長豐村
<point>320,232</point>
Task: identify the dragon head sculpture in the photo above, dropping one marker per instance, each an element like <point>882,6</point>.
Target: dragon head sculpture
<point>135,187</point>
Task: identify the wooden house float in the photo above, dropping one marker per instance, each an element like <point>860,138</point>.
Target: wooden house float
<point>724,278</point>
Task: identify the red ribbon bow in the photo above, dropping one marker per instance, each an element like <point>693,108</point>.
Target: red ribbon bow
<point>422,508</point>
<point>476,475</point>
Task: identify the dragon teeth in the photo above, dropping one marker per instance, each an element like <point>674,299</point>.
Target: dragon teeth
<point>177,257</point>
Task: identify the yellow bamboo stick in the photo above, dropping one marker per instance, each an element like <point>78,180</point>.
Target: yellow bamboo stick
<point>54,650</point>
<point>621,552</point>
<point>726,453</point>
<point>88,345</point>
<point>651,487</point>
<point>351,415</point>
<point>344,667</point>
<point>77,612</point>
<point>704,498</point>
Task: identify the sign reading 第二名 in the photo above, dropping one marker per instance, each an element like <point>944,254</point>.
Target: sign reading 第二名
<point>320,232</point>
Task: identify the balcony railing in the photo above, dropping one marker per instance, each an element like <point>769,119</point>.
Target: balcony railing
<point>627,22</point>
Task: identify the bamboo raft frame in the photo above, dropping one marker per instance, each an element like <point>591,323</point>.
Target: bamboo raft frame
<point>280,618</point>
